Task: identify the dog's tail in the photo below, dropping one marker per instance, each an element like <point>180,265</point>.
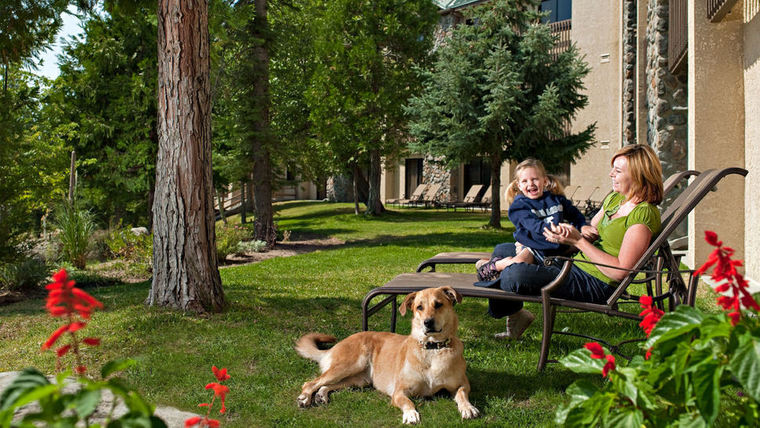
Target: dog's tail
<point>308,346</point>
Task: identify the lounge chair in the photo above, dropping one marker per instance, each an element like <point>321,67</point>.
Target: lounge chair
<point>416,195</point>
<point>469,199</point>
<point>658,265</point>
<point>428,198</point>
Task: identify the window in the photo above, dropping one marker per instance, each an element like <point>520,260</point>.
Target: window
<point>559,10</point>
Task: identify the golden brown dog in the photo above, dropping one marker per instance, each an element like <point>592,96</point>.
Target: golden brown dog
<point>421,364</point>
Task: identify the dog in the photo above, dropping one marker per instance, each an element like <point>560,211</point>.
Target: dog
<point>428,360</point>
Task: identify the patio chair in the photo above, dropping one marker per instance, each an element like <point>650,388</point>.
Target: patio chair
<point>657,264</point>
<point>428,198</point>
<point>470,257</point>
<point>416,195</point>
<point>469,199</point>
<point>485,200</point>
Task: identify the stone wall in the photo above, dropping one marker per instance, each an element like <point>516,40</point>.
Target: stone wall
<point>339,188</point>
<point>434,172</point>
<point>629,71</point>
<point>666,98</point>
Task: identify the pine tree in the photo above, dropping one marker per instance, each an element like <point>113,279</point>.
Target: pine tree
<point>496,91</point>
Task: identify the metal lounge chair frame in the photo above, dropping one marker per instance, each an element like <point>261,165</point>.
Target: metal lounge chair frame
<point>658,254</point>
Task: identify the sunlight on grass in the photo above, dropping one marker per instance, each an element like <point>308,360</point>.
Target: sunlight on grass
<point>272,303</point>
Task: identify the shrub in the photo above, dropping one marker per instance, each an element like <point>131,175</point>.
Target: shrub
<point>26,274</point>
<point>75,227</point>
<point>228,238</point>
<point>122,243</point>
<point>254,246</point>
<point>693,362</point>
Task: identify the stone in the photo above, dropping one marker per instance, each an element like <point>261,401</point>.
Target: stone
<point>139,231</point>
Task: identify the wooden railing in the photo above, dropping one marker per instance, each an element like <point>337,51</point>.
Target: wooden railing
<point>678,35</point>
<point>562,30</point>
<point>717,9</point>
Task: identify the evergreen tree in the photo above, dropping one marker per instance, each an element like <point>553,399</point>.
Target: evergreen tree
<point>496,91</point>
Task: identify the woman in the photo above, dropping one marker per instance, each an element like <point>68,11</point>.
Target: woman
<point>625,225</point>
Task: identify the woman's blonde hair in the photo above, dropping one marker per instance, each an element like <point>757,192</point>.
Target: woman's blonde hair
<point>645,170</point>
<point>552,182</point>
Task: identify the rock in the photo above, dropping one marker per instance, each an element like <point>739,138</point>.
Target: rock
<point>138,231</point>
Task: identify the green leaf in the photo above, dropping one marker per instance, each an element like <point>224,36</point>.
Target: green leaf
<point>591,411</point>
<point>624,383</point>
<point>580,361</point>
<point>85,402</point>
<point>691,420</point>
<point>745,365</point>
<point>115,366</point>
<point>23,388</point>
<point>136,403</point>
<point>706,380</point>
<point>626,417</point>
<point>673,325</point>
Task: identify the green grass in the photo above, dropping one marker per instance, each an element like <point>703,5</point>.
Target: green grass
<point>274,302</point>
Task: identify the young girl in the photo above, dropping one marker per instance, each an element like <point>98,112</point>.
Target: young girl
<point>536,201</point>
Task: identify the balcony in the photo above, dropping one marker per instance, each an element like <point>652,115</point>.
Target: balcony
<point>562,30</point>
<point>678,35</point>
<point>717,9</point>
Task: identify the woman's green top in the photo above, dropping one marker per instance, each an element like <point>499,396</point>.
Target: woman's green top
<point>612,231</point>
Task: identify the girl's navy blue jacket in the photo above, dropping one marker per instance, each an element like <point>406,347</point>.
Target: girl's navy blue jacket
<point>530,216</point>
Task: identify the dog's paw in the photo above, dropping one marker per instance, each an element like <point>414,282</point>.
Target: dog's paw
<point>469,412</point>
<point>304,400</point>
<point>411,417</point>
<point>322,396</point>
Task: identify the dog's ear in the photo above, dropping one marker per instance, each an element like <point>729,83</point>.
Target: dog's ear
<point>408,302</point>
<point>452,295</point>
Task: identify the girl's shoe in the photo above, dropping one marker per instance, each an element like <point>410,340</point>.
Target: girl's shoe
<point>487,271</point>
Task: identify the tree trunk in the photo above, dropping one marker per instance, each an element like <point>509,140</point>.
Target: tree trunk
<point>356,174</point>
<point>185,266</point>
<point>220,202</point>
<point>495,191</point>
<point>374,205</point>
<point>264,229</point>
<point>243,202</point>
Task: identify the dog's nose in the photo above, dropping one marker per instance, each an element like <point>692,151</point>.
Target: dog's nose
<point>429,324</point>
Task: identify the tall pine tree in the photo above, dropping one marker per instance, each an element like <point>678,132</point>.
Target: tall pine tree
<point>496,91</point>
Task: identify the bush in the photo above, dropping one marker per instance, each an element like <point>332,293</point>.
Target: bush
<point>254,246</point>
<point>75,227</point>
<point>26,274</point>
<point>228,238</point>
<point>699,369</point>
<point>122,243</point>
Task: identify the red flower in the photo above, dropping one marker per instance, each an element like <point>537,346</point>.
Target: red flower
<point>597,352</point>
<point>221,374</point>
<point>729,279</point>
<point>651,314</point>
<point>192,421</point>
<point>63,350</point>
<point>54,337</point>
<point>609,366</point>
<point>212,423</point>
<point>92,341</point>
<point>80,369</point>
<point>648,354</point>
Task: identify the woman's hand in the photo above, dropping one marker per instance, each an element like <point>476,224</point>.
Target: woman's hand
<point>590,233</point>
<point>562,233</point>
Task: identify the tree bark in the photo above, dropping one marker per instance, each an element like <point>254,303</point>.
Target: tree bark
<point>264,229</point>
<point>495,220</point>
<point>185,266</point>
<point>374,205</point>
<point>243,202</point>
<point>357,174</point>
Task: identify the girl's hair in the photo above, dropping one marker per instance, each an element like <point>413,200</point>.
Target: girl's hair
<point>552,182</point>
<point>646,172</point>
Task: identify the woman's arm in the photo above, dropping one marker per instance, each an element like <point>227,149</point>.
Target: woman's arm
<point>635,242</point>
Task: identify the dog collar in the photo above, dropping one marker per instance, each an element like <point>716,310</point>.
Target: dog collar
<point>436,345</point>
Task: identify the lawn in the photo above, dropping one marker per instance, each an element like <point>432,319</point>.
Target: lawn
<point>274,302</point>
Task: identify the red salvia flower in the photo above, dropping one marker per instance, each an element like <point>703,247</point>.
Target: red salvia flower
<point>597,352</point>
<point>221,374</point>
<point>648,354</point>
<point>728,279</point>
<point>609,366</point>
<point>651,315</point>
<point>66,301</point>
<point>192,421</point>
